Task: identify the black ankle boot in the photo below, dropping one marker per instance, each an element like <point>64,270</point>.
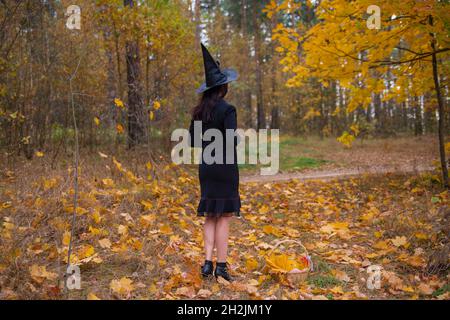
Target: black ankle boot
<point>207,269</point>
<point>221,271</point>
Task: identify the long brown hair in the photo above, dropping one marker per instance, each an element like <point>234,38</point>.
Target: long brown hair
<point>203,111</point>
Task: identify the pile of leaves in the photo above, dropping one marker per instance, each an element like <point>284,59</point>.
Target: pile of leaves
<point>137,237</point>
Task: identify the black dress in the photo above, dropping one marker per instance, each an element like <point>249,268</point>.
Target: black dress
<point>219,182</point>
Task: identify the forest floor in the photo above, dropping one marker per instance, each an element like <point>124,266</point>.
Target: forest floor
<point>137,236</point>
<point>312,155</point>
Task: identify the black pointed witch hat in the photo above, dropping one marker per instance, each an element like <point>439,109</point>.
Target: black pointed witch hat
<point>213,75</point>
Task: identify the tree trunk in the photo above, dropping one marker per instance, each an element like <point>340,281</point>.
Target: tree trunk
<point>135,102</point>
<point>118,54</point>
<point>261,117</point>
<point>247,94</point>
<point>430,115</point>
<point>275,121</point>
<point>198,22</point>
<point>275,117</point>
<point>441,111</point>
<point>418,130</point>
<point>111,85</point>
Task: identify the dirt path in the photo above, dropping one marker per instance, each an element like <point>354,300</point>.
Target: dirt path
<point>336,173</point>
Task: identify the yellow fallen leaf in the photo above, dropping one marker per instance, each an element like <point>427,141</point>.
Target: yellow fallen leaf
<point>50,183</point>
<point>92,296</point>
<point>382,245</point>
<point>153,288</point>
<point>421,236</point>
<point>119,103</point>
<point>166,229</point>
<point>5,205</point>
<point>8,226</point>
<point>122,286</point>
<point>95,231</point>
<point>283,263</point>
<point>120,129</point>
<point>66,238</point>
<point>399,241</point>
<point>215,287</point>
<point>337,290</point>
<point>86,251</point>
<point>408,289</point>
<point>333,227</point>
<point>146,220</point>
<point>40,273</point>
<point>264,209</point>
<point>251,264</point>
<point>415,261</point>
<point>96,216</point>
<point>269,229</point>
<point>378,234</point>
<point>147,205</point>
<point>108,182</point>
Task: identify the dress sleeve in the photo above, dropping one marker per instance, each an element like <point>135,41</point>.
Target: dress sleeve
<point>230,122</point>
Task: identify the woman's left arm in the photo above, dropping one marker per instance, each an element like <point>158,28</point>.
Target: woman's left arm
<point>231,122</point>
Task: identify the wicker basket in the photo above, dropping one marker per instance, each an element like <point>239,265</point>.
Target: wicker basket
<point>294,277</point>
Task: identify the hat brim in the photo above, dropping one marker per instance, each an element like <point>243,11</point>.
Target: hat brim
<point>231,75</point>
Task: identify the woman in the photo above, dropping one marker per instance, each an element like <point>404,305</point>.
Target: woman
<point>219,182</point>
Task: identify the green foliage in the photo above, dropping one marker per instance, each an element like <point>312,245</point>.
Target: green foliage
<point>323,281</point>
<point>303,163</point>
<point>445,288</point>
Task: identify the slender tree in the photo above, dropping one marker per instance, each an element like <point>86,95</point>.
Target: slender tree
<point>135,101</point>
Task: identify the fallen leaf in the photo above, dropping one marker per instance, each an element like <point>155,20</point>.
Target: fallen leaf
<point>337,290</point>
<point>425,289</point>
<point>251,264</point>
<point>40,273</point>
<point>66,238</point>
<point>186,291</point>
<point>223,281</point>
<point>120,129</point>
<point>399,241</point>
<point>105,243</point>
<point>92,296</point>
<point>204,293</point>
<point>341,275</point>
<point>122,286</point>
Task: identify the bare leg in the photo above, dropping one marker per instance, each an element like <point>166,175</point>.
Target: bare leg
<point>208,236</point>
<point>221,237</point>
